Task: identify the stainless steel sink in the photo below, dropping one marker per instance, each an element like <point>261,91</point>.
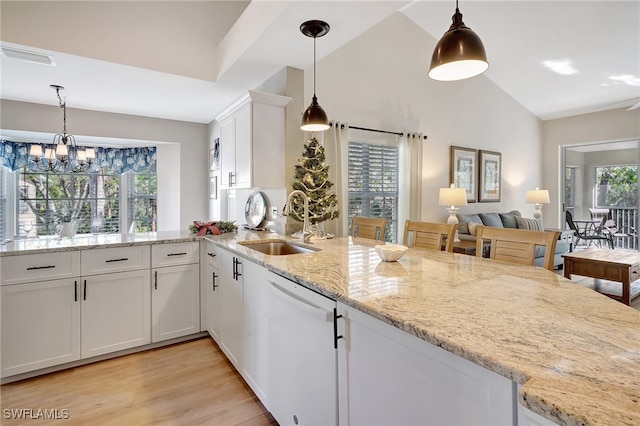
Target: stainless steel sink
<point>277,248</point>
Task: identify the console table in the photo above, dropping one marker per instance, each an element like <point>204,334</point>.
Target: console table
<point>615,265</point>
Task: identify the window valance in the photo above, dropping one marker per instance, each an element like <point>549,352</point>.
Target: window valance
<point>15,156</point>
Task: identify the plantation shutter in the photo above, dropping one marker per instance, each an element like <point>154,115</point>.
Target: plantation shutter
<point>373,182</point>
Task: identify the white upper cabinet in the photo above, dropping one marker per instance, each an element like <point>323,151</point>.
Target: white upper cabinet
<point>252,144</point>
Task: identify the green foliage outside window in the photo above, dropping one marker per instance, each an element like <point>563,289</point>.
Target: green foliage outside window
<point>617,186</point>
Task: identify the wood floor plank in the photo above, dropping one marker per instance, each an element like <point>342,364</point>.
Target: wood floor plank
<point>190,383</point>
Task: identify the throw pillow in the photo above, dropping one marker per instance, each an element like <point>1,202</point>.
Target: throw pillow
<point>473,228</point>
<point>530,224</point>
<point>491,219</point>
<point>509,219</point>
<point>464,219</point>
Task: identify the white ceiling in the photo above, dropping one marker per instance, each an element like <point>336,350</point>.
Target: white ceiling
<point>187,60</point>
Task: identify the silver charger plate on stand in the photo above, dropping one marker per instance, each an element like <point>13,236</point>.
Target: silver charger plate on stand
<point>255,211</point>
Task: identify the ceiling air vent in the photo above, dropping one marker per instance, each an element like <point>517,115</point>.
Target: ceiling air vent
<point>25,55</point>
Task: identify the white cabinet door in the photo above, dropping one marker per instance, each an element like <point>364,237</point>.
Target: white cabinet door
<point>390,377</point>
<point>40,325</point>
<point>116,311</point>
<point>227,151</point>
<point>211,281</point>
<point>302,357</point>
<point>256,314</point>
<point>243,148</point>
<point>175,309</point>
<point>231,307</point>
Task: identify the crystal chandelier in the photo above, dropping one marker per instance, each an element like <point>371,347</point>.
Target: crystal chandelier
<point>63,155</point>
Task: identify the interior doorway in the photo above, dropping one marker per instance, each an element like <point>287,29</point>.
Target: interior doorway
<point>602,178</point>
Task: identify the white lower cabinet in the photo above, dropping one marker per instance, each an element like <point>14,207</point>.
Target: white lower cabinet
<point>255,344</point>
<point>175,304</point>
<point>302,364</point>
<point>40,325</point>
<point>210,290</point>
<point>175,293</point>
<point>387,376</point>
<point>231,307</point>
<point>116,312</point>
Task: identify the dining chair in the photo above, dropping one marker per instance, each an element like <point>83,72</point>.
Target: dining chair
<point>517,245</point>
<point>429,235</point>
<point>589,234</point>
<point>368,227</point>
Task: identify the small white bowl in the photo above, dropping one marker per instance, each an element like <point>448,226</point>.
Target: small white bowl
<point>390,252</point>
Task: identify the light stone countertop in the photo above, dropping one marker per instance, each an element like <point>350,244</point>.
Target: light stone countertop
<point>88,241</point>
<point>575,352</point>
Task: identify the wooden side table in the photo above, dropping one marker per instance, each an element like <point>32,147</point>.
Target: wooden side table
<point>566,235</point>
<point>622,266</point>
<point>465,247</point>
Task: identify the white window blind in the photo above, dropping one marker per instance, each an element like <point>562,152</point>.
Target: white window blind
<point>373,183</point>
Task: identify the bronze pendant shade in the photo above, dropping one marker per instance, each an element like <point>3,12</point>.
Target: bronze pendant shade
<point>459,54</point>
<point>314,118</point>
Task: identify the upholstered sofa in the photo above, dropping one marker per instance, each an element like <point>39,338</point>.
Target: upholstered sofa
<point>512,219</point>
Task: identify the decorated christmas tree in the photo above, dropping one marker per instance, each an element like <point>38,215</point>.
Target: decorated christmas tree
<point>312,177</point>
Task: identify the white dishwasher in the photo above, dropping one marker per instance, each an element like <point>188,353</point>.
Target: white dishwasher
<point>302,355</point>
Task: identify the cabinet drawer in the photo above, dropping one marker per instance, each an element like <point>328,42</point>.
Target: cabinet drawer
<point>174,254</point>
<point>211,255</point>
<point>116,259</point>
<point>39,267</point>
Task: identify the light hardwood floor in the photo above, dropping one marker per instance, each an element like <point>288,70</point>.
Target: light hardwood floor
<point>189,383</point>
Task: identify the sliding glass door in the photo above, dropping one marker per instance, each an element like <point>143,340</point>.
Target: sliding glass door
<point>602,180</point>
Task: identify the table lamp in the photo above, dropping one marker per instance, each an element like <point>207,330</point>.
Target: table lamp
<point>453,197</point>
<point>538,197</point>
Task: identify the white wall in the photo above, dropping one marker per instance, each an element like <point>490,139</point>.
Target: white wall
<point>380,81</point>
<point>182,183</point>
<point>606,126</point>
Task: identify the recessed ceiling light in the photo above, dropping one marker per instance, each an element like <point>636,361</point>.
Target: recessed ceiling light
<point>28,56</point>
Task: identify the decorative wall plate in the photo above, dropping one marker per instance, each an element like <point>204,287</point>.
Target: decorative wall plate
<point>255,211</point>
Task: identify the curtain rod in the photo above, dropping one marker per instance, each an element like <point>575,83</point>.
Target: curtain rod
<point>375,130</point>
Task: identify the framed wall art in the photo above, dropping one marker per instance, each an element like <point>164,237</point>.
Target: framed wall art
<point>463,170</point>
<point>489,177</point>
<point>214,156</point>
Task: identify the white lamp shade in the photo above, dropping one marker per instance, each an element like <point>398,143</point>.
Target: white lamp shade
<point>35,151</point>
<point>91,153</point>
<point>538,196</point>
<point>61,149</point>
<point>452,197</point>
<point>82,156</point>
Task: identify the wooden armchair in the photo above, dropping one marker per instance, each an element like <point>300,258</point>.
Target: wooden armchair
<point>368,227</point>
<point>517,245</point>
<point>435,236</point>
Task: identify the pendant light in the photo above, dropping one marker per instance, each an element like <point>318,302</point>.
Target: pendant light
<point>459,54</point>
<point>62,155</point>
<point>314,118</point>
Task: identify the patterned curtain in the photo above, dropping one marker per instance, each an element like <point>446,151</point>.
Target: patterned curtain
<point>15,156</point>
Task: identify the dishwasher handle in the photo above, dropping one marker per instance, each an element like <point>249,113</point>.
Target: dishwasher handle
<point>317,311</point>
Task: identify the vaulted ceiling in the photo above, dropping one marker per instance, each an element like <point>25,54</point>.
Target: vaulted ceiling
<point>187,60</point>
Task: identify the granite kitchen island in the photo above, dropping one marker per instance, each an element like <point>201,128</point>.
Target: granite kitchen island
<point>575,353</point>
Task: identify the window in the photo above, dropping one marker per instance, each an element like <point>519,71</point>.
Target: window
<point>616,186</point>
<point>142,201</point>
<point>93,201</point>
<point>373,183</point>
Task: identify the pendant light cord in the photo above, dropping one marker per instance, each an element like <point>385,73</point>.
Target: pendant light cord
<point>314,66</point>
<point>62,105</point>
